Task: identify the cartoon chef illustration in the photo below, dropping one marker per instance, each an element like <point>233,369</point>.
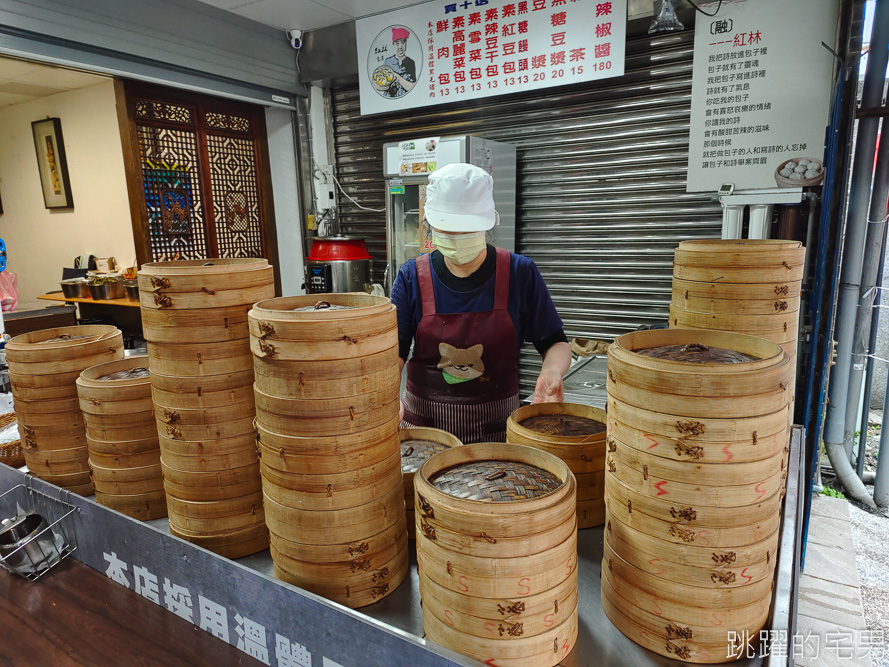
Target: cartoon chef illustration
<point>403,67</point>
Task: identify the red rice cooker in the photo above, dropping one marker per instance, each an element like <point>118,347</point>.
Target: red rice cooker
<point>338,264</point>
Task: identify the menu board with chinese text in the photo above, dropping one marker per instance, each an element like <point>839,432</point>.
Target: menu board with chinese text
<point>761,89</point>
<point>440,52</point>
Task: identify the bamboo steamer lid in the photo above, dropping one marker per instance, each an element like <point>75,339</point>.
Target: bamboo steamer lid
<point>417,445</point>
<point>740,252</point>
<point>121,380</point>
<point>229,544</point>
<point>62,343</point>
<point>327,378</point>
<point>144,507</point>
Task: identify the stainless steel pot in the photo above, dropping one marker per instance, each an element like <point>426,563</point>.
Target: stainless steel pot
<point>75,288</point>
<point>345,275</point>
<point>105,291</point>
<point>132,287</point>
<point>27,545</point>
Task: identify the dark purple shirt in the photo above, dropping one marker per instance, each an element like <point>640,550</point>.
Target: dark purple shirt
<point>530,306</point>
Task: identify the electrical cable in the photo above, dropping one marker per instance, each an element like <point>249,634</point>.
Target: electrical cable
<point>718,7</point>
<point>345,194</point>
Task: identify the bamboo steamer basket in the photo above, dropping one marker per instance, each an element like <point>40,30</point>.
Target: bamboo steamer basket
<point>199,359</point>
<point>209,455</point>
<point>215,516</point>
<point>345,552</point>
<point>685,289</point>
<point>417,445</point>
<point>528,526</point>
<point>371,586</point>
<point>326,378</point>
<point>699,630</point>
<point>331,491</point>
<point>772,323</point>
<point>227,484</point>
<point>115,460</point>
<point>646,382</point>
<point>72,483</point>
<point>196,284</point>
<point>229,544</point>
<point>327,417</point>
<point>209,325</point>
<point>199,398</point>
<point>125,475</point>
<point>191,390</point>
<point>123,447</point>
<point>317,463</point>
<point>136,488</point>
<point>549,648</point>
<point>143,507</point>
<point>349,525</point>
<point>219,431</point>
<point>58,461</point>
<point>98,396</point>
<point>702,567</point>
<point>750,307</point>
<point>484,617</point>
<point>740,253</point>
<point>358,444</point>
<point>69,404</point>
<point>204,416</point>
<point>584,454</point>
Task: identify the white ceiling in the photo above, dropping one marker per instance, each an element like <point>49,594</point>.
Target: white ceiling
<point>308,14</point>
<point>22,81</point>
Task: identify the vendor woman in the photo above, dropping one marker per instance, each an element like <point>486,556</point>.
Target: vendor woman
<point>468,307</point>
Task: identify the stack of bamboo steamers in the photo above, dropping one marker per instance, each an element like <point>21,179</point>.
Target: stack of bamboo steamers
<point>698,423</point>
<point>745,286</point>
<point>497,553</point>
<point>121,435</point>
<point>194,316</point>
<point>327,405</point>
<point>43,370</point>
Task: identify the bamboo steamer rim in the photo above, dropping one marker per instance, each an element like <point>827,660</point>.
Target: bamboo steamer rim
<point>282,308</point>
<point>188,384</point>
<point>94,332</point>
<point>435,435</point>
<point>624,348</point>
<point>514,422</point>
<point>777,289</point>
<point>215,266</point>
<point>90,377</point>
<point>740,245</point>
<point>492,451</point>
<point>345,444</point>
<point>339,552</point>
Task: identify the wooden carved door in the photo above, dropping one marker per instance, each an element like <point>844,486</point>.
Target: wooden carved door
<point>197,168</point>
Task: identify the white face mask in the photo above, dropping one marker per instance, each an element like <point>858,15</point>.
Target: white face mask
<point>460,248</point>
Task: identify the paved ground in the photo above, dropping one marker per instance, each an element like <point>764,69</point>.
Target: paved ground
<point>831,626</point>
<point>870,533</point>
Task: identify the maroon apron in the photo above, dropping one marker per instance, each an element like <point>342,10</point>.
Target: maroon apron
<point>464,374</point>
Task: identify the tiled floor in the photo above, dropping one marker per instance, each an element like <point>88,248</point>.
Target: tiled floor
<point>831,629</point>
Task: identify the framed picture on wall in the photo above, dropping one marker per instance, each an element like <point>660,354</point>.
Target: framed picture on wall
<point>51,163</point>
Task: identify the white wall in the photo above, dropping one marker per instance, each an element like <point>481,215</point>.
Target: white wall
<point>41,241</point>
<point>282,163</point>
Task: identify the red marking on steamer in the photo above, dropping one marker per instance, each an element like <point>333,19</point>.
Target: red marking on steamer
<point>728,455</point>
<point>746,576</point>
<point>651,562</point>
<point>648,437</point>
<point>524,588</point>
<point>463,586</point>
<point>490,661</point>
<point>491,628</point>
<point>759,490</point>
<point>660,488</point>
<point>448,617</point>
<point>565,648</point>
<point>658,610</point>
<point>703,537</point>
<point>548,620</point>
<point>717,619</point>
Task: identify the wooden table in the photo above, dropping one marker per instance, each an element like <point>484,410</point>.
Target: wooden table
<point>59,296</point>
<point>75,616</point>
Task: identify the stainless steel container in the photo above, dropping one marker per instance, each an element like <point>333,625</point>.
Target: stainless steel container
<point>109,290</point>
<point>27,544</point>
<point>349,275</point>
<point>132,287</point>
<point>75,288</point>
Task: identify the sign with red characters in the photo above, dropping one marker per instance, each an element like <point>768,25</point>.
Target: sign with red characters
<point>440,52</point>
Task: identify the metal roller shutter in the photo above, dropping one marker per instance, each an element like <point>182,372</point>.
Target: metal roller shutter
<point>602,171</point>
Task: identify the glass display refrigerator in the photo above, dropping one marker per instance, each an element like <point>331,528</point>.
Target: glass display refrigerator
<point>407,165</point>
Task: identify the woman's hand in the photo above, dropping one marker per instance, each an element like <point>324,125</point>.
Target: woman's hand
<point>549,387</point>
